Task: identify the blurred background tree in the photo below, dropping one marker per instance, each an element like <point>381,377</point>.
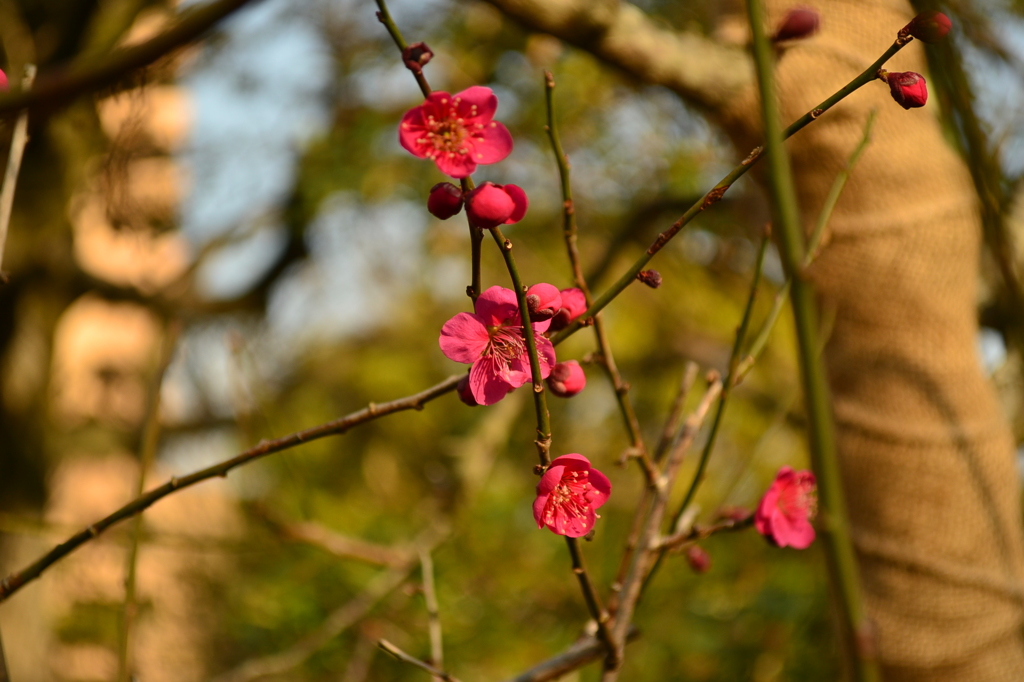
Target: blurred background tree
<point>249,189</point>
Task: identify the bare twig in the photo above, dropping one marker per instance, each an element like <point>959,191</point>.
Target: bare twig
<point>433,616</point>
<point>382,585</point>
<point>62,85</point>
<point>147,453</point>
<point>582,652</point>
<point>412,660</point>
<point>695,533</point>
<point>18,141</point>
<point>569,228</point>
<point>15,581</point>
<point>635,579</point>
<point>337,544</point>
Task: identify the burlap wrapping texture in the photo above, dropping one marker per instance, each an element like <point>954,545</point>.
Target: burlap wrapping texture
<point>927,457</point>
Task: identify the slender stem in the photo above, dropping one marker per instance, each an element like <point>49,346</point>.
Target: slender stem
<point>147,453</point>
<point>838,545</point>
<point>412,660</point>
<point>719,190</point>
<point>433,614</point>
<point>61,85</point>
<point>730,381</point>
<point>384,16</point>
<point>814,243</point>
<point>599,614</point>
<point>540,402</point>
<point>636,578</point>
<point>18,141</point>
<point>632,424</point>
<point>696,533</point>
<point>646,497</point>
<point>476,238</point>
<point>676,412</point>
<point>582,652</point>
<point>15,581</point>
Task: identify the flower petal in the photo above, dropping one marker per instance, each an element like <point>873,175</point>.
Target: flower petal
<point>538,509</point>
<point>490,143</point>
<point>575,527</point>
<point>602,488</point>
<point>551,478</point>
<point>572,462</point>
<point>520,200</point>
<point>545,353</point>
<point>497,305</point>
<point>463,338</point>
<point>801,535</point>
<point>411,130</point>
<point>488,388</point>
<point>455,165</point>
<point>478,96</point>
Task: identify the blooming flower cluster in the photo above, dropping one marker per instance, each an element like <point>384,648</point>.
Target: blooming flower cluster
<point>456,131</point>
<point>567,495</point>
<point>785,512</point>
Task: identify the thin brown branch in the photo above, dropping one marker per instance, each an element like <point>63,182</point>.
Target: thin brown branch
<point>15,581</point>
<point>18,141</point>
<point>347,615</point>
<point>696,533</point>
<point>61,85</point>
<point>676,412</point>
<point>584,651</point>
<point>433,614</point>
<point>642,559</point>
<point>412,660</point>
<point>340,545</point>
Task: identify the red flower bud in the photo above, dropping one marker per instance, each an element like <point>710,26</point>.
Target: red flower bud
<point>574,304</point>
<point>799,22</point>
<point>907,88</point>
<point>543,301</point>
<point>490,205</point>
<point>651,278</point>
<point>3,81</point>
<point>699,560</point>
<point>445,200</point>
<point>416,56</point>
<point>929,27</point>
<point>465,392</point>
<point>567,379</point>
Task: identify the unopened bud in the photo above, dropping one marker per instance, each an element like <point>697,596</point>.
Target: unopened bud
<point>416,56</point>
<point>465,393</point>
<point>906,87</point>
<point>651,278</point>
<point>574,304</point>
<point>929,27</point>
<point>543,301</point>
<point>445,200</point>
<point>699,560</point>
<point>799,22</point>
<point>567,379</point>
<point>490,205</point>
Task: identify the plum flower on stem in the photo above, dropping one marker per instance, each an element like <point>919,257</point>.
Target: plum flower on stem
<point>491,339</point>
<point>567,495</point>
<point>456,131</point>
<point>785,512</point>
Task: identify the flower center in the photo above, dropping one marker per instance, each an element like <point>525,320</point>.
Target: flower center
<point>570,495</point>
<point>448,135</point>
<point>506,343</point>
<point>798,500</point>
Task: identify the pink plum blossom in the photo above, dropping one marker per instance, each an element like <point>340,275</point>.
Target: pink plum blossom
<point>574,304</point>
<point>491,205</point>
<point>785,512</point>
<point>491,339</point>
<point>456,131</point>
<point>567,379</point>
<point>567,495</point>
